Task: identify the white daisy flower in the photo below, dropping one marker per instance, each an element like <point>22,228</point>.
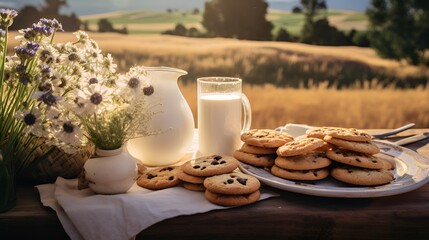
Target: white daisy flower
<point>134,84</point>
<point>71,58</point>
<point>92,78</point>
<point>68,132</point>
<point>47,97</point>
<point>93,97</point>
<point>48,54</point>
<point>32,122</point>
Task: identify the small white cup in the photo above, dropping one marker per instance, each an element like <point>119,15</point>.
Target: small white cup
<point>220,107</point>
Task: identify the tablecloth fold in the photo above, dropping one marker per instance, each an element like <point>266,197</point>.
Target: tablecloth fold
<point>86,215</point>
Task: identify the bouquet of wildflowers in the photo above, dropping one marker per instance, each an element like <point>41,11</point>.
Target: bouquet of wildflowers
<point>67,94</point>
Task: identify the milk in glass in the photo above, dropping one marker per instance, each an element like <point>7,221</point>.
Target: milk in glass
<point>219,123</point>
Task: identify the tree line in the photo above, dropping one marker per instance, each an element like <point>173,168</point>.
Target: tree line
<point>397,29</point>
<point>51,9</point>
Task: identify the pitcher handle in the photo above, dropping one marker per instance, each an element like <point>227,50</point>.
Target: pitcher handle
<point>247,113</point>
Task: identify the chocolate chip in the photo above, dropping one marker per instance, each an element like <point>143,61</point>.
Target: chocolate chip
<point>242,180</point>
<point>222,162</point>
<point>358,160</point>
<point>196,167</point>
<point>167,169</point>
<point>214,162</point>
<point>315,174</point>
<point>374,161</point>
<point>258,156</point>
<point>217,157</point>
<point>230,181</point>
<point>150,176</point>
<point>171,178</point>
<point>203,168</point>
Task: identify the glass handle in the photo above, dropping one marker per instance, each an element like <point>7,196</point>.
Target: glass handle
<point>247,113</point>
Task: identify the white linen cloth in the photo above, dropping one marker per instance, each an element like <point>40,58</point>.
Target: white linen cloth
<point>86,215</point>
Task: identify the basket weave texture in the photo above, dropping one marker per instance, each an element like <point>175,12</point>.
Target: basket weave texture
<point>52,163</point>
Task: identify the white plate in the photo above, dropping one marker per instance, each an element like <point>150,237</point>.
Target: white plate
<point>411,172</point>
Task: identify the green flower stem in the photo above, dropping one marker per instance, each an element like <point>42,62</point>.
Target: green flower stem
<point>13,103</point>
<point>3,60</point>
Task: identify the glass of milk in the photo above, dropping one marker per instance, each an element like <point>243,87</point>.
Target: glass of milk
<point>223,114</point>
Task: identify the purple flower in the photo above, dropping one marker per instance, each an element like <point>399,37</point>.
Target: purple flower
<point>46,71</point>
<point>54,24</point>
<point>44,30</point>
<point>28,51</point>
<point>29,34</point>
<point>8,13</point>
<point>48,98</point>
<point>21,68</point>
<point>25,78</point>
<point>6,17</point>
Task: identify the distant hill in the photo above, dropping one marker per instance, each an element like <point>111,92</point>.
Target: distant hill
<point>150,22</point>
<point>82,8</point>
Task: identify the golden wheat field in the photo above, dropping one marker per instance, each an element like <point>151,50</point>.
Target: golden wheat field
<point>364,105</point>
<point>321,106</point>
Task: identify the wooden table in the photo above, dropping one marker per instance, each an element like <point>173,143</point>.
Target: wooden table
<point>292,215</point>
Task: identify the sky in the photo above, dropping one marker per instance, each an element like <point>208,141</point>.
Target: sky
<point>88,7</point>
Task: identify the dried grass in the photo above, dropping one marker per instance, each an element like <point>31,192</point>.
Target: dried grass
<point>368,103</point>
<point>322,106</point>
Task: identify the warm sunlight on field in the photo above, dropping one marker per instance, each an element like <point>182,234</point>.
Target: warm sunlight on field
<point>367,107</point>
<point>363,108</point>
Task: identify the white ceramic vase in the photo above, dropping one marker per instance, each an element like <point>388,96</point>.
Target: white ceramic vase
<point>173,121</point>
<point>111,172</point>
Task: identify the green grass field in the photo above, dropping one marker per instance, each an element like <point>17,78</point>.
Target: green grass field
<point>150,22</point>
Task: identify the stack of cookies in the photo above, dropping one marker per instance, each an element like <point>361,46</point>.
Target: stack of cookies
<point>221,185</point>
<point>260,146</point>
<point>195,171</point>
<point>354,153</point>
<point>232,189</point>
<point>214,175</point>
<point>301,159</point>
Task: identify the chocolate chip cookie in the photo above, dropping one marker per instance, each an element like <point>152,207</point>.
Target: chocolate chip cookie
<point>355,158</point>
<point>312,160</point>
<point>210,165</point>
<point>159,178</point>
<point>258,160</point>
<point>234,183</point>
<point>362,147</point>
<point>267,138</point>
<point>299,146</point>
<point>362,176</point>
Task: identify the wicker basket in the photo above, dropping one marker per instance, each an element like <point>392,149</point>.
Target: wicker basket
<point>56,163</point>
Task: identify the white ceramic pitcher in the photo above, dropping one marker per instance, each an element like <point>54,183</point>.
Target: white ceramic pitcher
<point>173,120</point>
